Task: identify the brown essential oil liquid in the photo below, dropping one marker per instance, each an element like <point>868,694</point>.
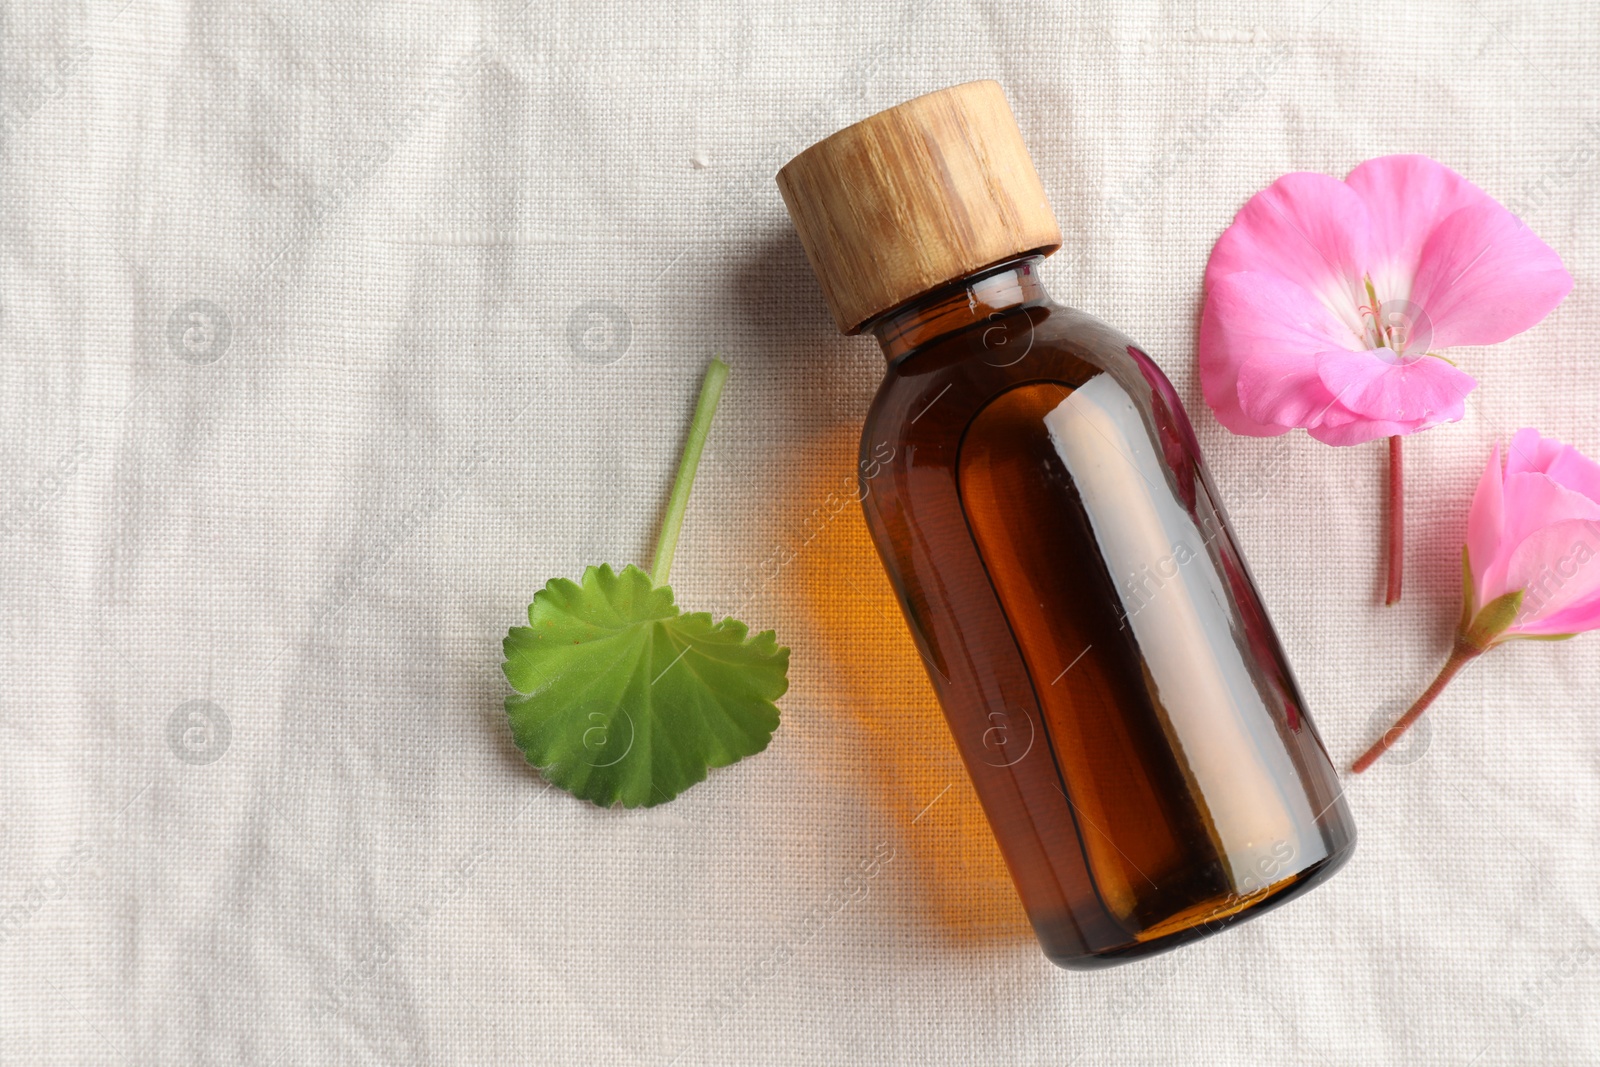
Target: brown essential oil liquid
<point>1062,558</point>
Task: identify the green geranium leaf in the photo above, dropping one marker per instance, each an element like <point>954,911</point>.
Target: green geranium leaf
<point>620,698</point>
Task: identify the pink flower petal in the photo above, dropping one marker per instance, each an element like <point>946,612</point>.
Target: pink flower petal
<point>1422,391</point>
<point>1260,333</point>
<point>1484,522</point>
<point>1577,472</point>
<point>1406,198</point>
<point>1532,502</point>
<point>1283,390</point>
<point>1580,618</point>
<point>1566,465</point>
<point>1531,451</point>
<point>1352,429</point>
<point>1308,228</point>
<point>1483,277</point>
<point>1558,570</point>
<point>1342,426</point>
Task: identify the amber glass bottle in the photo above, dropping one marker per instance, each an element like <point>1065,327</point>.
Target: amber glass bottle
<point>1060,552</point>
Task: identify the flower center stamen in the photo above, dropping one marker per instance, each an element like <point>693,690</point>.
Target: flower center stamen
<point>1397,331</point>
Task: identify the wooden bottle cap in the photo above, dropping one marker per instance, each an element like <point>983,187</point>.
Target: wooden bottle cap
<point>915,197</point>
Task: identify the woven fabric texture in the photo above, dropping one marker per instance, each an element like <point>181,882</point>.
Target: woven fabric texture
<point>329,333</point>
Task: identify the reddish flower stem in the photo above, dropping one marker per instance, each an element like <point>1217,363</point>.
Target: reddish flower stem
<point>1397,520</point>
<point>1462,654</point>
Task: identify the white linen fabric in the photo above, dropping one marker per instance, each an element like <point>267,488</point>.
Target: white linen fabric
<point>329,333</point>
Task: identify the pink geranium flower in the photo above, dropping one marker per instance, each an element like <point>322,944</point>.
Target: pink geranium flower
<point>1532,532</point>
<point>1328,303</point>
<point>1531,564</point>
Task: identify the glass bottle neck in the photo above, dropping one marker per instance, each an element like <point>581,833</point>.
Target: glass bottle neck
<point>965,302</point>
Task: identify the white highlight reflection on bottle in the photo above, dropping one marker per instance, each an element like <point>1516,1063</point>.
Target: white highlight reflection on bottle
<point>1220,729</point>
